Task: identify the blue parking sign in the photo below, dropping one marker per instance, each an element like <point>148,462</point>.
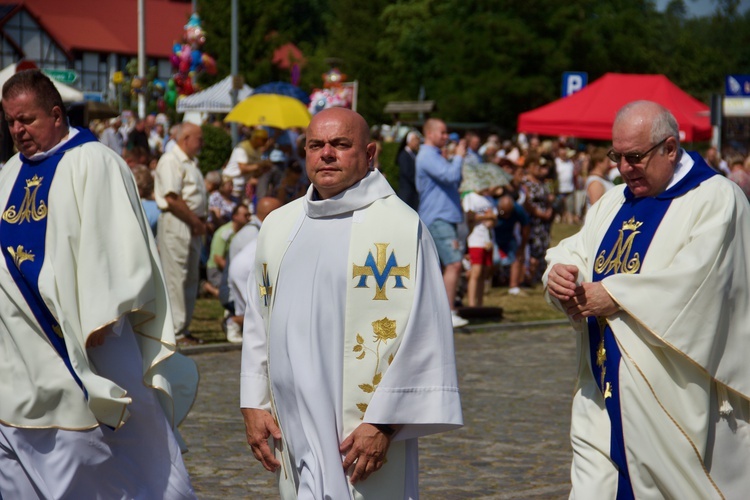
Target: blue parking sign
<point>737,86</point>
<point>573,81</point>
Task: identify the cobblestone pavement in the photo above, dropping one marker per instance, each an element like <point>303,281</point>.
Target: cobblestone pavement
<point>516,389</point>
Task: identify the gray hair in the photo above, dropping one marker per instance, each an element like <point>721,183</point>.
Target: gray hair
<point>177,131</point>
<point>664,123</point>
<point>214,177</point>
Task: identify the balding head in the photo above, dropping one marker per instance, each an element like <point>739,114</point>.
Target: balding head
<point>646,136</point>
<point>659,120</point>
<point>505,206</point>
<point>435,132</point>
<point>190,139</point>
<point>339,151</point>
<point>344,116</point>
<point>265,206</point>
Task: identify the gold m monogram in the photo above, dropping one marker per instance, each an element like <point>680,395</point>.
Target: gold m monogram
<point>29,209</point>
<point>619,259</point>
<point>381,269</point>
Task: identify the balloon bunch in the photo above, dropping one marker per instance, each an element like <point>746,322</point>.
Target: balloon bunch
<point>330,98</point>
<point>188,60</point>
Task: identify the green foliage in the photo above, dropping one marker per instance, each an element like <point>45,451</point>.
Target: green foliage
<point>262,27</point>
<point>217,146</point>
<point>388,165</point>
<point>480,60</point>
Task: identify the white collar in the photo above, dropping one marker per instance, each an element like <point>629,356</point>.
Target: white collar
<point>373,186</point>
<point>684,164</point>
<point>72,132</point>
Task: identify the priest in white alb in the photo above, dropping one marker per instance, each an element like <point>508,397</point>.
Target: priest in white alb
<point>91,385</point>
<point>348,343</point>
<point>656,283</point>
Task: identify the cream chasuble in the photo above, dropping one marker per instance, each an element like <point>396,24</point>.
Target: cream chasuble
<point>357,331</point>
<point>97,239</point>
<point>683,336</point>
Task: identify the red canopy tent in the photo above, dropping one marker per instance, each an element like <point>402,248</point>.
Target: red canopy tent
<point>589,113</point>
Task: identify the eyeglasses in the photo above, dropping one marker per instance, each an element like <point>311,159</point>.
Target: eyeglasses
<point>633,158</point>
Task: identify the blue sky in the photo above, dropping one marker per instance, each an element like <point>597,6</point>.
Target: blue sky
<point>697,8</point>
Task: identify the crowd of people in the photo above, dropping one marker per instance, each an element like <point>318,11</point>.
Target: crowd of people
<point>654,283</point>
<point>502,231</point>
<point>202,222</point>
<point>505,229</point>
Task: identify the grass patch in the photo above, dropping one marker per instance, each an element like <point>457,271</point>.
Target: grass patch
<point>532,306</point>
<point>206,323</point>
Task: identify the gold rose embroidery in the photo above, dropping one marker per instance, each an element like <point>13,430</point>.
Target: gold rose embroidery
<point>383,330</point>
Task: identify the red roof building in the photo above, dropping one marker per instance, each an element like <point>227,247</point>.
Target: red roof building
<point>92,37</point>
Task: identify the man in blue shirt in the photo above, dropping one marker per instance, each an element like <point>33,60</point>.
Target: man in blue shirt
<point>512,252</point>
<point>440,204</point>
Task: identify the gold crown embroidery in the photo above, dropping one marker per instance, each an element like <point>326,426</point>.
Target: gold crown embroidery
<point>34,181</point>
<point>631,225</point>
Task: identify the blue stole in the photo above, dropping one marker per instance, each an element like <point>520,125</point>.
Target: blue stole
<point>622,251</point>
<point>23,231</point>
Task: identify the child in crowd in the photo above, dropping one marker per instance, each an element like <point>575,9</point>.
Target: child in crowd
<point>482,216</point>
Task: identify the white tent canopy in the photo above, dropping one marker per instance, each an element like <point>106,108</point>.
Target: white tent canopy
<point>215,99</point>
<point>68,94</point>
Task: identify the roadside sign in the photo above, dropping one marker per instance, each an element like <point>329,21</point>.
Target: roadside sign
<point>93,96</point>
<point>737,86</point>
<point>66,76</point>
<point>573,81</point>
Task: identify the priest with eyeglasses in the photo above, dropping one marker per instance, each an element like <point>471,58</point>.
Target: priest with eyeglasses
<point>656,286</point>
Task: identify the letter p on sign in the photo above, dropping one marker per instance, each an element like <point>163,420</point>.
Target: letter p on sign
<point>572,82</point>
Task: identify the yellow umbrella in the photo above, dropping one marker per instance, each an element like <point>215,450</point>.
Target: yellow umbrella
<point>270,110</point>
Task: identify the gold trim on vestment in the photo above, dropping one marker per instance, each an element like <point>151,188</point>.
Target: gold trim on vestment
<point>15,426</point>
<point>674,422</point>
<point>675,349</point>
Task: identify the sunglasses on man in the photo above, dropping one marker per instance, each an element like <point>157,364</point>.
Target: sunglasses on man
<point>633,158</point>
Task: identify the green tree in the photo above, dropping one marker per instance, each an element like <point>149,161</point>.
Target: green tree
<point>217,146</point>
<point>481,60</point>
<point>262,28</point>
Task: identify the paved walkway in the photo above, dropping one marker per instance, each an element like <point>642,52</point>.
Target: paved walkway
<point>516,388</point>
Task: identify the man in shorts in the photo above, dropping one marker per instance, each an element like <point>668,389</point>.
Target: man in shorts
<point>440,204</point>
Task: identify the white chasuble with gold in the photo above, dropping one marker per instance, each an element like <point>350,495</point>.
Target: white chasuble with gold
<point>96,240</point>
<point>683,381</point>
<point>350,293</point>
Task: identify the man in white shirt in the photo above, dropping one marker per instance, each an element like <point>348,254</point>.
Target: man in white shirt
<point>180,192</point>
